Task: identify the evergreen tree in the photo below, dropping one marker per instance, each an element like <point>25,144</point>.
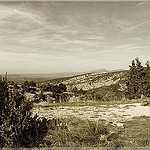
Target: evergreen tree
<point>138,82</point>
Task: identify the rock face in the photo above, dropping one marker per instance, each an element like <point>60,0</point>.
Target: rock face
<point>94,80</point>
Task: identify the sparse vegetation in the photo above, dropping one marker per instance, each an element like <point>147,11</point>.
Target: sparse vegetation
<point>83,133</point>
<point>20,128</point>
<point>136,133</point>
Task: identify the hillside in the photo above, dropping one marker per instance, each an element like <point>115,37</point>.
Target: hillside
<point>94,80</point>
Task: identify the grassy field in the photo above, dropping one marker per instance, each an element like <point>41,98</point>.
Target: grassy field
<point>136,132</point>
<point>83,133</point>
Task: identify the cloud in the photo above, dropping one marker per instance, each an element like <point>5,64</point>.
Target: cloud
<point>136,39</point>
<point>30,16</point>
<point>64,36</point>
<point>142,3</point>
<point>137,26</point>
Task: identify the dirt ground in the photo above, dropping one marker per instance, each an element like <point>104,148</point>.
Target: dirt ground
<point>121,112</point>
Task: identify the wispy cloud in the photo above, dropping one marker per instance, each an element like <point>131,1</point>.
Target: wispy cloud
<point>66,35</point>
<point>142,3</point>
<point>137,26</point>
<point>30,16</point>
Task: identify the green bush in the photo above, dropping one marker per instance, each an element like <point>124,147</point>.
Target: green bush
<point>54,88</point>
<point>14,115</point>
<point>17,127</point>
<point>29,86</point>
<point>78,92</point>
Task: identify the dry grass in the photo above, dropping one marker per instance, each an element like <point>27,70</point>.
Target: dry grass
<point>136,132</point>
<point>146,102</point>
<point>105,104</point>
<point>83,133</point>
<point>129,106</point>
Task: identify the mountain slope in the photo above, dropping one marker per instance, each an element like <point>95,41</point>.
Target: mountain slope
<point>92,80</point>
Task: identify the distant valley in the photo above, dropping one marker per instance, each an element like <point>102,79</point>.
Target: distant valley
<point>48,76</point>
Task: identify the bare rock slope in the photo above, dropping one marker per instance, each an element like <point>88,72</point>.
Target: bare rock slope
<point>92,80</point>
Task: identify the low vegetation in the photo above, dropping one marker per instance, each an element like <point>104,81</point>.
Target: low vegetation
<point>83,133</point>
<point>20,128</point>
<point>105,93</point>
<point>136,132</point>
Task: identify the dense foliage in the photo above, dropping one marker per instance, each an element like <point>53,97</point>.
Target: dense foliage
<point>54,88</point>
<point>29,86</point>
<point>17,127</point>
<point>138,82</point>
<point>60,97</point>
<point>15,115</point>
<point>78,92</point>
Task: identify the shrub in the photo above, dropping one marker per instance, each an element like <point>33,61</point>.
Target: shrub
<point>78,92</point>
<point>54,88</point>
<point>105,93</point>
<point>17,127</point>
<point>41,96</point>
<point>28,86</point>
<point>14,115</point>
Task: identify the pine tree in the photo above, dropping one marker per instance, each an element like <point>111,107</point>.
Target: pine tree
<point>138,82</point>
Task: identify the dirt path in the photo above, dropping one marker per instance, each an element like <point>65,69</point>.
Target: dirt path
<point>112,113</point>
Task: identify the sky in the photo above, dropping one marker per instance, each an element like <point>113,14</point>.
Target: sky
<point>51,37</point>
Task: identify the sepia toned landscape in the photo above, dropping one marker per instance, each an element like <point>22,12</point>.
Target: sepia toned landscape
<point>75,75</point>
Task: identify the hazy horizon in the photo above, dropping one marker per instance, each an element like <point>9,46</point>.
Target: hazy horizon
<point>53,37</point>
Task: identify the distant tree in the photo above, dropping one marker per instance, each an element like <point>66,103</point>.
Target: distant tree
<point>78,92</point>
<point>11,82</point>
<point>54,88</point>
<point>16,87</point>
<point>32,84</point>
<point>81,92</point>
<point>62,87</point>
<point>147,65</point>
<point>32,91</point>
<point>42,96</point>
<point>74,90</point>
<point>29,86</point>
<point>36,98</point>
<point>26,84</point>
<point>56,96</point>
